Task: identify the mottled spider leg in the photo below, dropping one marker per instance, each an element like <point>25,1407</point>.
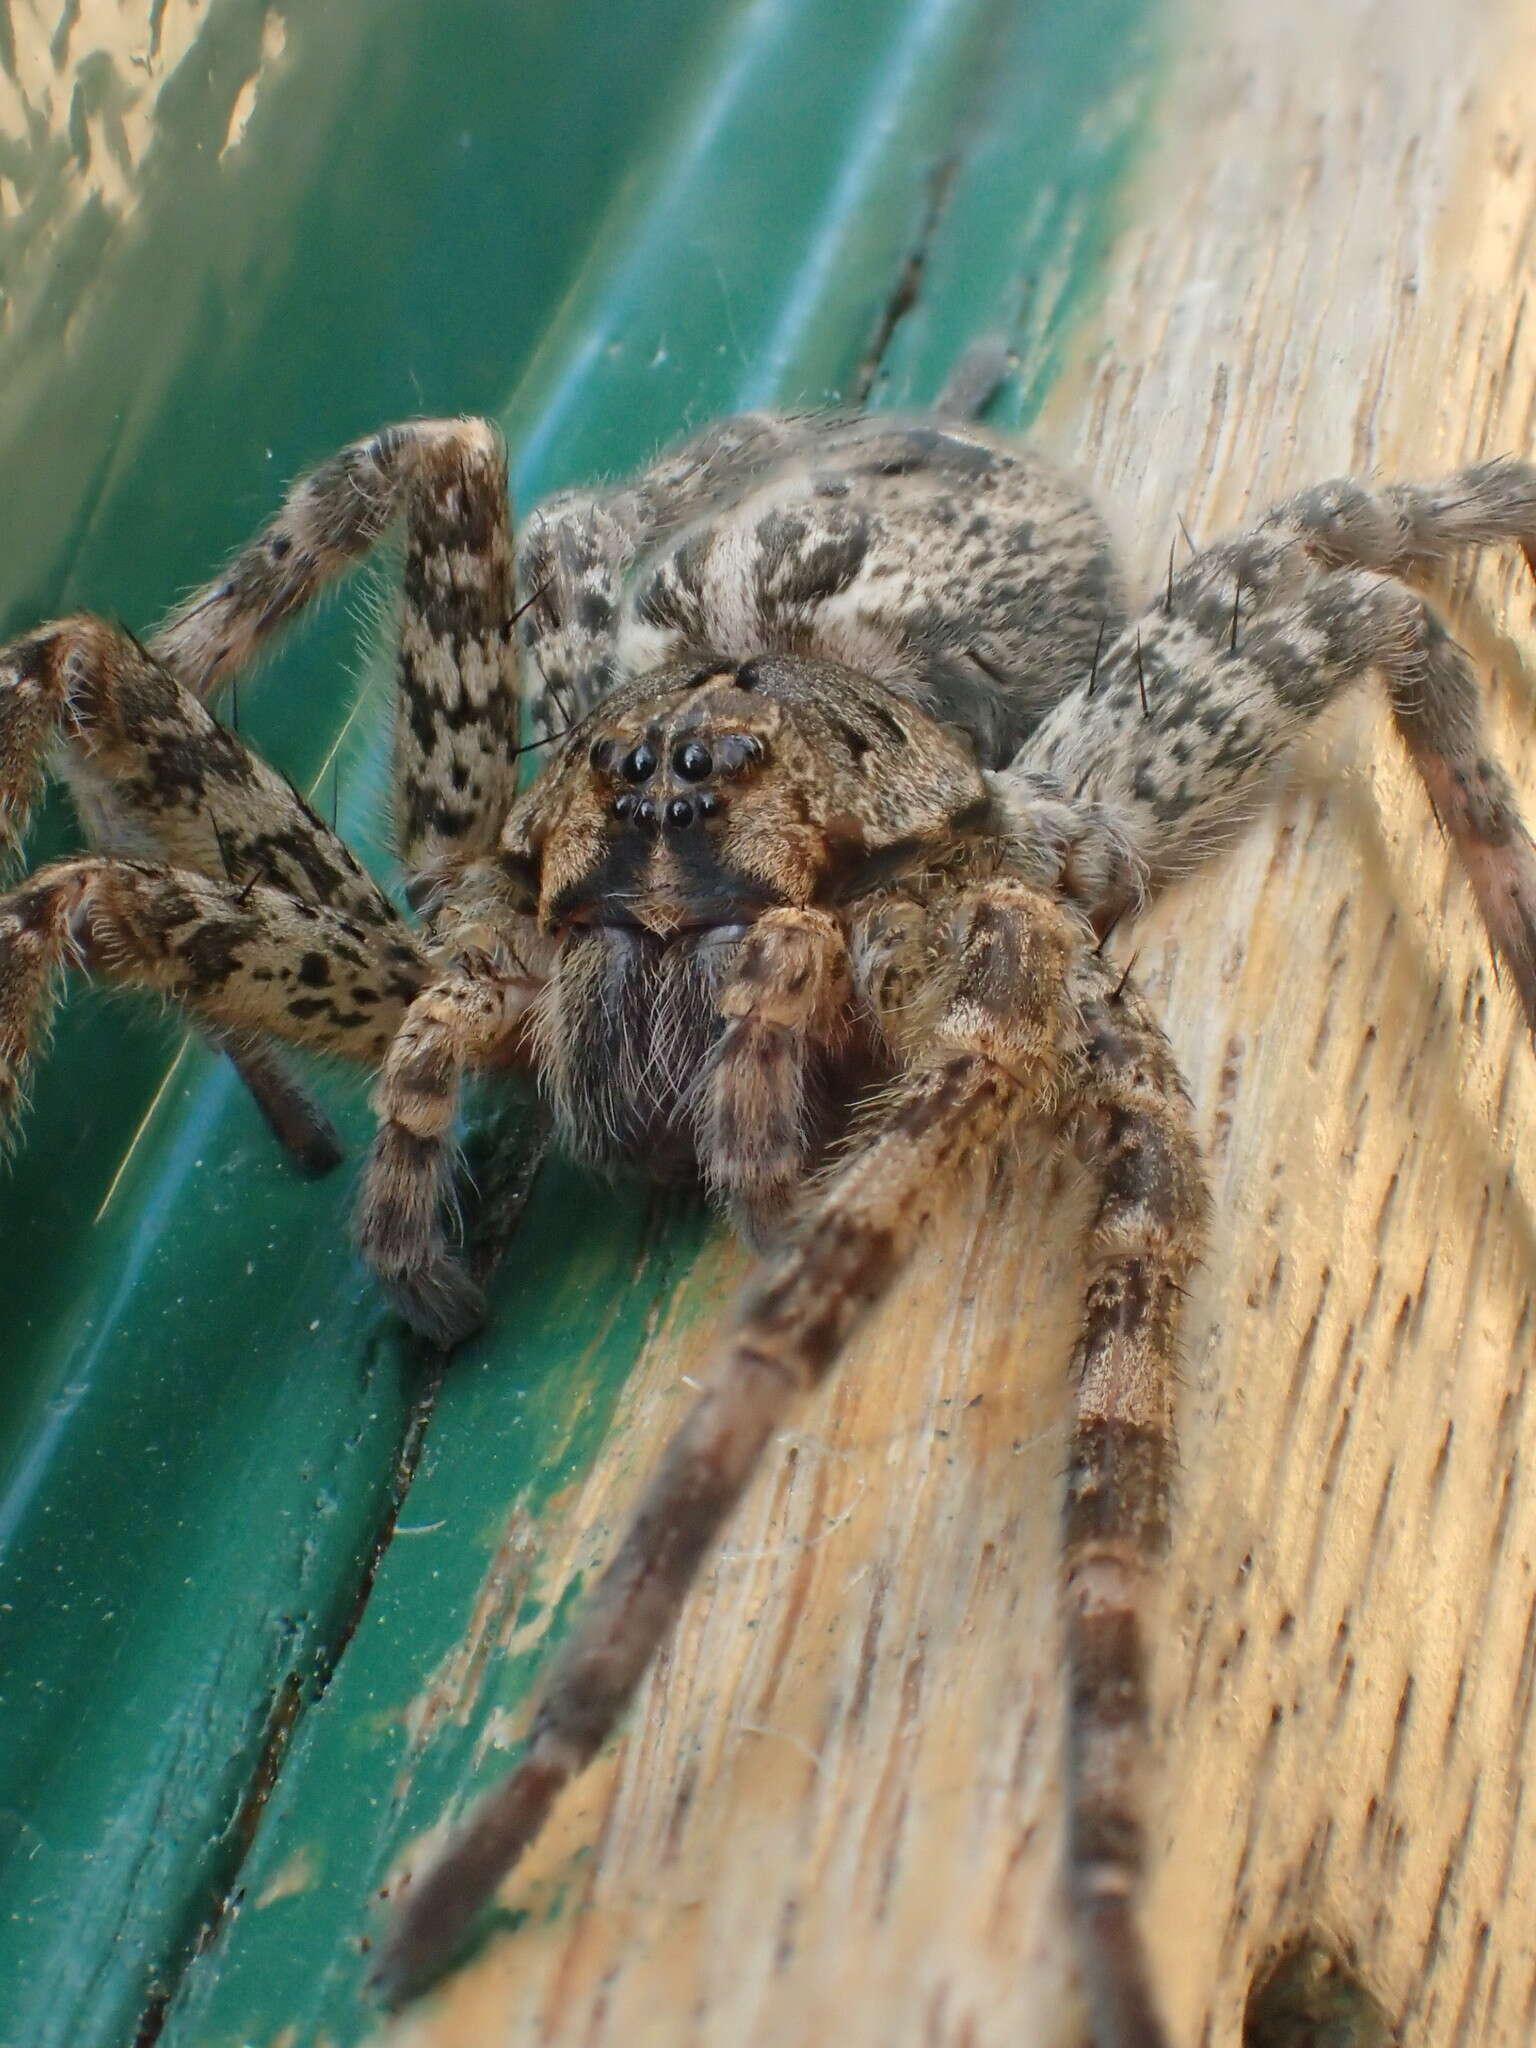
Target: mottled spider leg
<point>456,735</point>
<point>144,755</point>
<point>249,960</point>
<point>1409,530</point>
<point>457,709</point>
<point>472,1019</point>
<point>457,726</point>
<point>994,1057</point>
<point>1199,699</point>
<point>288,1110</point>
<point>785,1000</point>
<point>152,772</point>
<point>1435,702</point>
<point>1131,1121</point>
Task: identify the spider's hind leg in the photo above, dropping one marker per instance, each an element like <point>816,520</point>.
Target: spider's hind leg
<point>1131,1121</point>
<point>1198,700</point>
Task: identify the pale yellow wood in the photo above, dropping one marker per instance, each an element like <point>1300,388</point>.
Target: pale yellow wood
<point>835,1816</point>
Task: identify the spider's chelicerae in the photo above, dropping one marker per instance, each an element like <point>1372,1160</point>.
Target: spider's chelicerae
<point>855,757</point>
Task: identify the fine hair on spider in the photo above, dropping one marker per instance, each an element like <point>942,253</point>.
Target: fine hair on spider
<point>852,752</point>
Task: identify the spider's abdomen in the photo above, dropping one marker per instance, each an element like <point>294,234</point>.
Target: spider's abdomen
<point>955,565</point>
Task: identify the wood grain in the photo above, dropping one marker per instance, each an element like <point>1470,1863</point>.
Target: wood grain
<point>836,1811</point>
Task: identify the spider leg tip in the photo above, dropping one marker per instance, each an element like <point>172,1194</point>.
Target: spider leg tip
<point>319,1154</point>
<point>420,1943</point>
<point>443,1304</point>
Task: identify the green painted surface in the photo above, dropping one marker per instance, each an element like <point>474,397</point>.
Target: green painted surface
<point>602,225</point>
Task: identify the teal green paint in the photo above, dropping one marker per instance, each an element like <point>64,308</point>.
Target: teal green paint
<point>1059,121</point>
<point>602,255</point>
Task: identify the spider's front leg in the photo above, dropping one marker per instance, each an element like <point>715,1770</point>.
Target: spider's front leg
<point>153,773</point>
<point>994,1057</point>
<point>456,737</point>
<point>473,1016</point>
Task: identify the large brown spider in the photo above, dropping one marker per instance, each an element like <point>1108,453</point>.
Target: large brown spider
<point>856,758</point>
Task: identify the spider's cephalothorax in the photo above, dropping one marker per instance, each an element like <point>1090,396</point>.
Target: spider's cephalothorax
<point>692,802</point>
<point>855,758</point>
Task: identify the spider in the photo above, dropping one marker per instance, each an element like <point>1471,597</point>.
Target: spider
<point>856,755</point>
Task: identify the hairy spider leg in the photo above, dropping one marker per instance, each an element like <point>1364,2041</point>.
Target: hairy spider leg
<point>472,1018</point>
<point>456,731</point>
<point>994,1058</point>
<point>250,958</point>
<point>1132,1124</point>
<point>1264,632</point>
<point>154,774</point>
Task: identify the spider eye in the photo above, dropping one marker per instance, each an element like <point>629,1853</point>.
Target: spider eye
<point>692,760</point>
<point>601,755</point>
<point>640,765</point>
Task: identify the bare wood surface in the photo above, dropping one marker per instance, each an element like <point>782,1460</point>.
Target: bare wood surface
<point>836,1811</point>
